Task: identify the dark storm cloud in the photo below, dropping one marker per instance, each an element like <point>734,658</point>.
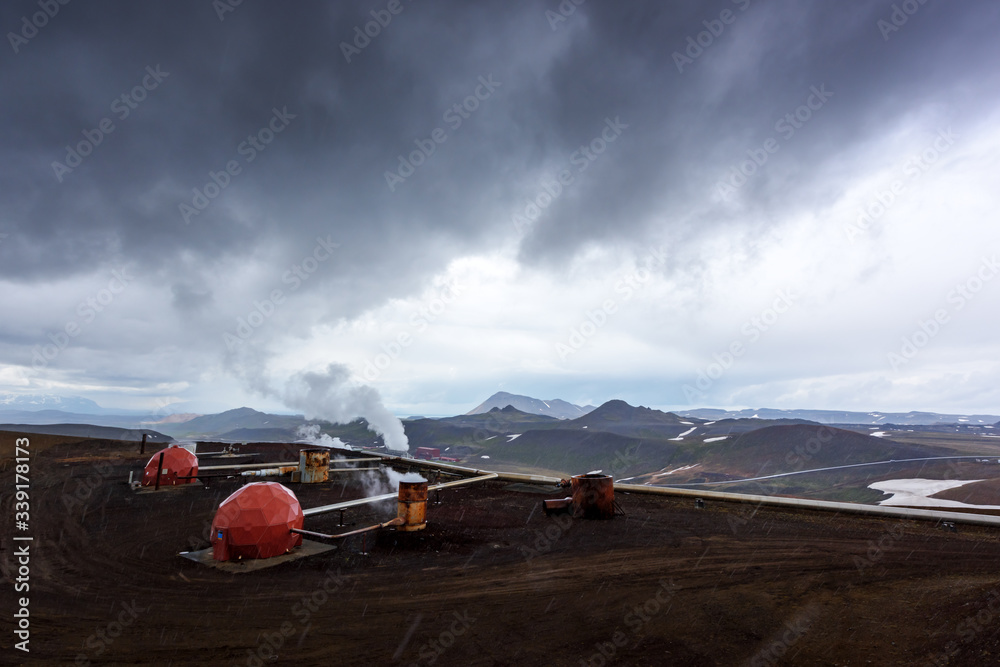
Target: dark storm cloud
<point>688,129</point>
<point>610,69</point>
<point>324,173</point>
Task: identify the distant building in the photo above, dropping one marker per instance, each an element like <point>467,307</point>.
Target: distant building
<point>427,453</point>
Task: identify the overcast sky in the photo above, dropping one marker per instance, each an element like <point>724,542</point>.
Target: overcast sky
<point>654,201</point>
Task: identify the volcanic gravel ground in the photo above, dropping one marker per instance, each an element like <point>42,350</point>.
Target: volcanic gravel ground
<point>491,581</point>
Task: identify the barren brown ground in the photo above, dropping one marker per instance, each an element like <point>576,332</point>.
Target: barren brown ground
<point>492,581</point>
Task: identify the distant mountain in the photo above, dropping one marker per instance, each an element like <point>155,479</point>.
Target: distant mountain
<point>259,435</point>
<point>247,424</point>
<point>178,418</point>
<point>506,420</point>
<point>38,417</point>
<point>241,418</point>
<point>35,402</point>
<point>88,431</point>
<point>557,408</point>
<point>619,417</point>
<point>838,417</point>
<point>778,449</point>
<point>577,451</point>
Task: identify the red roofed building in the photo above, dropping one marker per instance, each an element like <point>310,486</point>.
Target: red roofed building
<point>255,522</point>
<point>177,462</point>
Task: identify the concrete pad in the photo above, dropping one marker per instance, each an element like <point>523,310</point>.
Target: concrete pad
<point>308,548</point>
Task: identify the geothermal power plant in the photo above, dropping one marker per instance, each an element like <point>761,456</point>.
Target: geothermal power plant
<point>265,520</point>
<point>277,553</point>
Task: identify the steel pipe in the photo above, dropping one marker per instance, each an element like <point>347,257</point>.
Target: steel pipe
<point>436,465</point>
<point>313,511</point>
<point>824,505</point>
<point>392,522</point>
<point>159,469</point>
<point>269,472</point>
<point>237,466</point>
<point>774,501</point>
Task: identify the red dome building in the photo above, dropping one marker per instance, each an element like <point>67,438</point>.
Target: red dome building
<point>177,462</point>
<point>255,522</point>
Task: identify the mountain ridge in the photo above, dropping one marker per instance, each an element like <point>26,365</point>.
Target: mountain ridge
<point>555,407</point>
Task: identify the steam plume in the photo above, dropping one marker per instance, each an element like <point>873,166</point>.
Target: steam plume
<point>330,395</point>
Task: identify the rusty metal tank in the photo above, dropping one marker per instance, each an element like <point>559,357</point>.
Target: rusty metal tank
<point>593,496</point>
<point>314,466</point>
<point>412,507</point>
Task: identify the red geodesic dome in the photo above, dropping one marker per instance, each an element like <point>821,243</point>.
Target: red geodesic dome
<point>254,522</point>
<point>177,462</point>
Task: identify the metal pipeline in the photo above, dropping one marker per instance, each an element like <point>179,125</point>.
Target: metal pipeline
<point>269,472</point>
<point>159,469</point>
<point>313,511</point>
<point>825,505</point>
<point>775,501</point>
<point>237,466</point>
<point>436,465</point>
<point>392,522</point>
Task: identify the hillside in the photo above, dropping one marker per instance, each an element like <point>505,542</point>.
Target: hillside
<point>36,402</point>
<point>506,420</point>
<point>230,420</point>
<point>619,417</point>
<point>574,452</point>
<point>50,416</point>
<point>778,449</point>
<point>88,431</point>
<point>557,408</point>
<point>875,418</point>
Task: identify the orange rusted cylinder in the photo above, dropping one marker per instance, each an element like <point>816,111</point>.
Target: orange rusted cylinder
<point>412,508</point>
<point>593,496</point>
<point>314,466</point>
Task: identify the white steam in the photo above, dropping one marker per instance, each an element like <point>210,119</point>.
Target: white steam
<point>386,480</point>
<point>330,395</point>
<point>311,434</point>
